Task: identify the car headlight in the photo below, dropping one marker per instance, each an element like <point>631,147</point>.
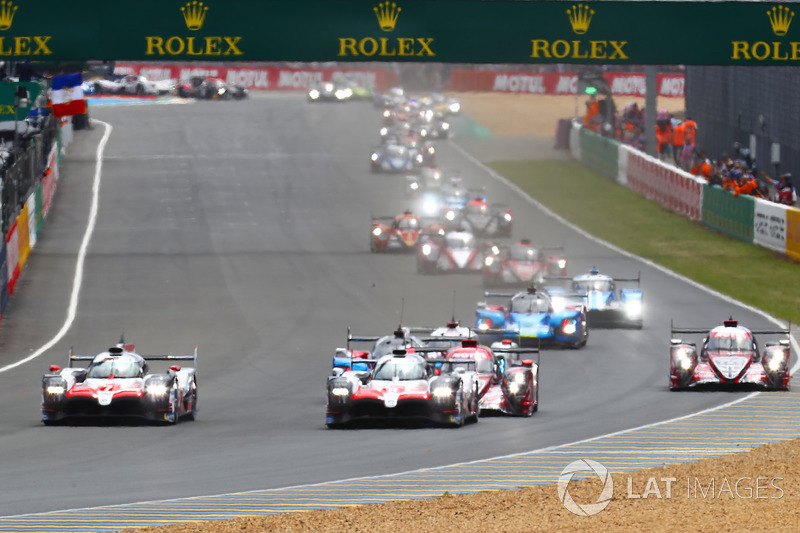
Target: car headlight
<point>507,217</point>
<point>157,389</point>
<point>455,107</point>
<point>513,387</point>
<point>450,215</point>
<point>488,261</point>
<point>633,308</point>
<point>683,358</point>
<point>562,263</point>
<point>413,185</point>
<point>377,232</point>
<point>445,126</point>
<point>374,157</point>
<point>340,391</point>
<point>55,389</point>
<point>442,392</point>
<point>426,249</point>
<point>423,132</point>
<point>419,158</point>
<point>313,94</point>
<point>776,361</point>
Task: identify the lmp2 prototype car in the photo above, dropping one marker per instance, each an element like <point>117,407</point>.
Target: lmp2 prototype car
<point>404,386</point>
<point>729,357</point>
<point>484,219</point>
<point>393,157</point>
<point>118,383</point>
<point>522,263</point>
<point>606,305</point>
<point>450,251</point>
<point>401,234</point>
<point>531,317</point>
<point>507,383</point>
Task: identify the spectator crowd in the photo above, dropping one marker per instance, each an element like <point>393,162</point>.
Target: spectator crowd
<point>676,142</point>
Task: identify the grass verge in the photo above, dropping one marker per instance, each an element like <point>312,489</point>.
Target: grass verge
<point>749,273</point>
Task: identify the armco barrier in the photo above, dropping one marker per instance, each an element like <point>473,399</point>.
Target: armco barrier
<point>600,153</point>
<point>729,214</point>
<point>671,187</point>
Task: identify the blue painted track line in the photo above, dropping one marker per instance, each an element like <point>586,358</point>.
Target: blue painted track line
<point>756,421</point>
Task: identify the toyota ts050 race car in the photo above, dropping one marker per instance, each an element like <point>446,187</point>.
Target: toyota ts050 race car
<point>451,251</point>
<point>404,386</point>
<point>531,317</point>
<point>119,383</point>
<point>400,235</point>
<point>606,305</point>
<point>522,263</point>
<point>729,356</point>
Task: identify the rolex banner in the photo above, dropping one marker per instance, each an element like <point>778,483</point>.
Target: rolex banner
<point>9,103</point>
<point>68,95</point>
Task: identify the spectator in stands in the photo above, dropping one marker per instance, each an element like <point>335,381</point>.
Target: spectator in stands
<point>26,72</point>
<point>784,191</point>
<point>702,166</point>
<point>678,140</point>
<point>746,183</point>
<point>690,129</point>
<point>592,119</point>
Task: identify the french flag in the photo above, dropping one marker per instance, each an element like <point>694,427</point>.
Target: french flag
<point>68,95</point>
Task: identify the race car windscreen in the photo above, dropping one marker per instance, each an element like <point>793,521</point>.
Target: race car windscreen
<point>388,345</point>
<point>402,370</point>
<point>603,285</point>
<point>524,253</point>
<point>738,343</point>
<point>408,223</point>
<point>459,240</point>
<point>530,304</point>
<point>114,367</point>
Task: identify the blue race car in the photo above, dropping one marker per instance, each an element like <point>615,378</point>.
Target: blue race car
<point>606,304</point>
<point>531,317</point>
<point>393,157</point>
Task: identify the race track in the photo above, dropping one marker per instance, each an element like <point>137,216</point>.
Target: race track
<point>242,227</point>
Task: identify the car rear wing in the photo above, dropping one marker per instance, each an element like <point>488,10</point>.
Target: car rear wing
<point>72,357</point>
<point>688,331</point>
<point>637,279</point>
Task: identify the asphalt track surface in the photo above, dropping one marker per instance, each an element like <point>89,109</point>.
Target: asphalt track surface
<point>242,227</point>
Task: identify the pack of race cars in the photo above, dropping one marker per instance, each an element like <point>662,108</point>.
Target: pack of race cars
<point>456,374</point>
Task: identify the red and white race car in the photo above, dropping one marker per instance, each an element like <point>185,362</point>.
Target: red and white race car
<point>403,386</point>
<point>508,384</point>
<point>119,383</point>
<point>729,356</point>
<point>451,251</point>
<point>400,234</point>
<point>522,263</point>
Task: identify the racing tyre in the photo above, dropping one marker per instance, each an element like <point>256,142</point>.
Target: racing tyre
<point>192,412</point>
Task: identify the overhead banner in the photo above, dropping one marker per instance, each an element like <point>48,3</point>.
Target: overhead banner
<point>451,31</point>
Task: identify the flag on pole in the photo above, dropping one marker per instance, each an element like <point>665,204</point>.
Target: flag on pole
<point>68,95</point>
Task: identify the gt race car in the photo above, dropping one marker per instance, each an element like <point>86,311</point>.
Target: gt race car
<point>531,317</point>
<point>119,383</point>
<point>450,251</point>
<point>404,386</point>
<point>401,234</point>
<point>606,304</point>
<point>522,263</point>
<point>729,356</point>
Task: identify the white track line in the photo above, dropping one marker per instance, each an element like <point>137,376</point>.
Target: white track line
<point>87,237</point>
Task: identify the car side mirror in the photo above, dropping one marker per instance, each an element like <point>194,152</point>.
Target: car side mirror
<point>336,372</point>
